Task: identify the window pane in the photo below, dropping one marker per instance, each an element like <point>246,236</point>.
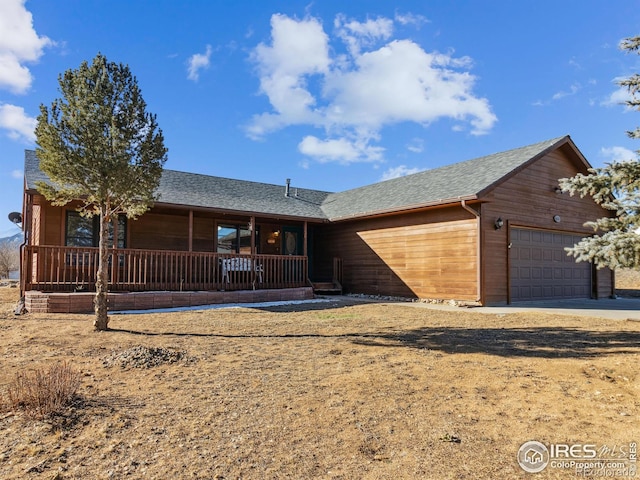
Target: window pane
<point>122,231</point>
<point>79,230</point>
<point>227,239</point>
<point>85,231</point>
<point>245,241</point>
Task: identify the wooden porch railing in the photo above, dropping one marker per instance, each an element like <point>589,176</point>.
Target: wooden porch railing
<point>53,268</point>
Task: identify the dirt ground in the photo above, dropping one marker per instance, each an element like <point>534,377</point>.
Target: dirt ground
<point>343,389</point>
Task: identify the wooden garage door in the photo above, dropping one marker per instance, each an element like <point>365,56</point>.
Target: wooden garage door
<point>542,270</point>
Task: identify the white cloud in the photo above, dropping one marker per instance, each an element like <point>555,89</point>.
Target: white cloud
<point>17,174</point>
<point>341,150</point>
<point>573,89</point>
<point>616,98</point>
<point>399,171</point>
<point>411,19</point>
<point>304,164</point>
<point>408,84</point>
<point>298,49</point>
<point>575,64</point>
<point>357,35</point>
<point>618,154</point>
<point>19,44</point>
<point>416,145</point>
<point>378,82</point>
<point>197,62</point>
<point>20,126</point>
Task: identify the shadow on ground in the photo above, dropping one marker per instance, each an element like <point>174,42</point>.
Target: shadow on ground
<point>546,342</point>
<point>551,342</point>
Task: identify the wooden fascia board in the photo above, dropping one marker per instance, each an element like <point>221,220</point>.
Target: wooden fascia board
<point>221,211</point>
<point>407,209</point>
<point>583,162</point>
<point>240,213</point>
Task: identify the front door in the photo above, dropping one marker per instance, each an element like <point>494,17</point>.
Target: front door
<point>292,241</point>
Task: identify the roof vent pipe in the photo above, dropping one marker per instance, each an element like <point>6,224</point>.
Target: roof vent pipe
<point>286,190</point>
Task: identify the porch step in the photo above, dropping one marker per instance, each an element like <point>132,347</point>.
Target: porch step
<point>327,288</point>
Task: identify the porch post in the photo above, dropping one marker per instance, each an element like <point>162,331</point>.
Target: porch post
<point>116,224</point>
<point>304,235</point>
<point>27,209</point>
<point>252,222</point>
<point>215,235</point>
<point>114,258</point>
<point>191,230</point>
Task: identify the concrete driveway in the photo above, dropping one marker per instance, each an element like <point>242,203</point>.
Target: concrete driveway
<point>615,309</point>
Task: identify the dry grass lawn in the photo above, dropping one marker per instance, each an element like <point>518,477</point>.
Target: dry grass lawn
<point>343,390</point>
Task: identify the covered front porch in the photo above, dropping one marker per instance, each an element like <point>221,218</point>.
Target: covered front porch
<point>62,279</point>
<point>174,249</point>
<point>73,269</point>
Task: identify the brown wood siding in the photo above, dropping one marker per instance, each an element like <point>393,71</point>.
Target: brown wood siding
<point>203,230</point>
<point>48,222</point>
<point>155,231</point>
<point>528,199</point>
<point>426,255</point>
<point>36,219</point>
<point>52,225</point>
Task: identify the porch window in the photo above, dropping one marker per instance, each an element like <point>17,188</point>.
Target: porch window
<point>234,239</point>
<point>85,231</point>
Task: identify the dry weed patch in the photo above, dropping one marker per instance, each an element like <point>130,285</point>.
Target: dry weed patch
<point>43,392</point>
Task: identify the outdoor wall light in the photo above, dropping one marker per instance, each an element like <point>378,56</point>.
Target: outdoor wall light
<point>558,190</point>
<point>498,223</point>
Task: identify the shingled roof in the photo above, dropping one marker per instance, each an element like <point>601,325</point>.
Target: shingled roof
<point>224,194</point>
<point>452,183</point>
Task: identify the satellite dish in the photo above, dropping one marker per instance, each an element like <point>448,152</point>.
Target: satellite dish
<point>15,217</point>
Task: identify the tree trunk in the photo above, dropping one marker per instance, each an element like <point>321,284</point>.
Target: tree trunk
<point>102,282</point>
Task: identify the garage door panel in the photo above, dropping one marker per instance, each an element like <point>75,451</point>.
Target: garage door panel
<point>541,269</point>
<point>536,273</point>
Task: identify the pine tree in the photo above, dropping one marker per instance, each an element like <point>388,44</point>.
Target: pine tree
<point>616,187</point>
<point>98,144</point>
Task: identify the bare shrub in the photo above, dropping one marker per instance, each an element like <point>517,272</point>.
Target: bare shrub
<point>44,392</point>
<point>9,258</point>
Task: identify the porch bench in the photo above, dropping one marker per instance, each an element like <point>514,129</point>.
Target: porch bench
<point>240,264</point>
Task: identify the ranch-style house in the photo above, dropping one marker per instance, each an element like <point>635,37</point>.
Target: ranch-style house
<point>491,231</point>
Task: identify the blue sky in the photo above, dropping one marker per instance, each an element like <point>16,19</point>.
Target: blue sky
<point>331,94</point>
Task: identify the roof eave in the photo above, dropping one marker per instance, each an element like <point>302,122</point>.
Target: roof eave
<point>405,209</point>
<point>241,213</point>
